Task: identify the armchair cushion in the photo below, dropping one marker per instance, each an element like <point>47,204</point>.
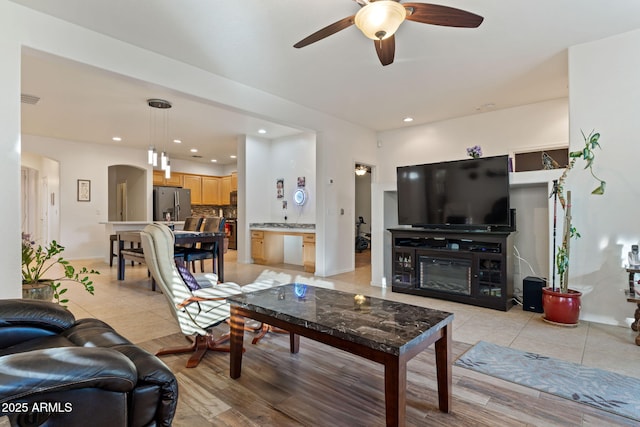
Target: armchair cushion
<point>186,275</point>
<point>85,363</point>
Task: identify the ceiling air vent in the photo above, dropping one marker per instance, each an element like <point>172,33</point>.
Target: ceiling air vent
<point>197,156</point>
<point>29,99</point>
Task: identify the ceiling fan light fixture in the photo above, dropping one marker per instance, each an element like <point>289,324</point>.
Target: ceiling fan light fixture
<point>380,19</point>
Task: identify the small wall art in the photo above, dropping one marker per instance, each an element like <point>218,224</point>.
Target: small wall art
<point>280,188</point>
<point>84,190</point>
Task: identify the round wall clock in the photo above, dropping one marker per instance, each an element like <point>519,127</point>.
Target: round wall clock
<point>300,196</point>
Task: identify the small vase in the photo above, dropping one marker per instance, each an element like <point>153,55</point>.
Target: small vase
<point>561,308</point>
<point>38,291</point>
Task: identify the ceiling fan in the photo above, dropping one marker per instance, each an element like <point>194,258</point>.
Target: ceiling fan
<point>380,19</point>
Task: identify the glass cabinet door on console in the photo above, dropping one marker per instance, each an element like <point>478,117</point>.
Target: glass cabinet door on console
<point>403,268</point>
<point>490,276</point>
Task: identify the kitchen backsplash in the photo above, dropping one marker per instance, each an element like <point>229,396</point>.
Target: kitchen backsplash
<point>210,210</point>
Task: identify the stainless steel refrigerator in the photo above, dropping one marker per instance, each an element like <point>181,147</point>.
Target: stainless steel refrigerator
<point>172,201</point>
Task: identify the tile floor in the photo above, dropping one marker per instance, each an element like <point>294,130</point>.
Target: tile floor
<point>140,314</point>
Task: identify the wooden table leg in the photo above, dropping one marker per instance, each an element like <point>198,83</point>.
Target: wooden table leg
<point>395,390</point>
<point>294,342</point>
<point>443,368</point>
<point>120,260</point>
<point>637,323</point>
<point>236,326</point>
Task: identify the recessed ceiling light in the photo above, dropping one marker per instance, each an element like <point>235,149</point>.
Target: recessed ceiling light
<point>407,119</point>
<point>233,157</point>
<point>194,150</point>
<point>117,138</point>
<point>214,161</point>
<point>262,131</point>
<point>177,141</point>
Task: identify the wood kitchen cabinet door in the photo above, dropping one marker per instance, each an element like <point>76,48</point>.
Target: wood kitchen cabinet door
<point>225,190</point>
<point>234,181</point>
<point>174,181</point>
<point>210,190</point>
<point>309,252</point>
<point>193,183</point>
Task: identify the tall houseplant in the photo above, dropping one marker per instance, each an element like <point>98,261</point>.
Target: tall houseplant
<point>561,304</point>
<point>38,260</point>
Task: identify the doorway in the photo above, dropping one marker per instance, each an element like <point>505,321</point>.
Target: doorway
<point>362,210</point>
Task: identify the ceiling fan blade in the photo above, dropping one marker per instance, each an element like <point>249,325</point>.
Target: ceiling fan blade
<point>386,49</point>
<point>441,15</point>
<point>326,31</point>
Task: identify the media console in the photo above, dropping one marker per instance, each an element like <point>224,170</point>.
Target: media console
<point>464,266</point>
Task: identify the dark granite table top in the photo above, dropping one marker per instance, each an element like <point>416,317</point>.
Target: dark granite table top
<point>388,326</point>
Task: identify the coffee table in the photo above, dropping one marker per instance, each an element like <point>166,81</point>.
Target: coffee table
<point>387,332</point>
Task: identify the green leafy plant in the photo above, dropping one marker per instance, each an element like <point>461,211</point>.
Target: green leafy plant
<point>591,142</point>
<point>37,260</point>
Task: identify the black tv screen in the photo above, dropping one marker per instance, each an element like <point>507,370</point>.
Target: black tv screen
<point>468,194</point>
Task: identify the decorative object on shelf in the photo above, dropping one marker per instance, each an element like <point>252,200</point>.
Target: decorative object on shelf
<point>84,190</point>
<point>548,162</point>
<point>37,260</point>
<point>561,304</point>
<point>475,151</point>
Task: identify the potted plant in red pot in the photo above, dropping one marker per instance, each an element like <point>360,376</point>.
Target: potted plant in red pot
<point>562,305</point>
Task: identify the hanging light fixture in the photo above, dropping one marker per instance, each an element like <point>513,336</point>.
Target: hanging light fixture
<point>361,170</point>
<point>380,19</point>
<point>160,104</point>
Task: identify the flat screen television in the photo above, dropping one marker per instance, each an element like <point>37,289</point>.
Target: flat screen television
<point>470,194</point>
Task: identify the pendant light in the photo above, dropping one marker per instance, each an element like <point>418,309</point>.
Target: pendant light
<point>162,105</point>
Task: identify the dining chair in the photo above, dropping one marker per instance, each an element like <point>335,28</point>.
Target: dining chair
<point>191,223</point>
<point>213,224</point>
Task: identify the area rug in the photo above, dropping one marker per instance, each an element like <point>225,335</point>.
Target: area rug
<point>596,387</point>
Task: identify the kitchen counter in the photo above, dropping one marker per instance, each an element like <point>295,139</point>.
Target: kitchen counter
<point>284,227</point>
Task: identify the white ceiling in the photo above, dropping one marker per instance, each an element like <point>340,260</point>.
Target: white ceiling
<point>517,56</point>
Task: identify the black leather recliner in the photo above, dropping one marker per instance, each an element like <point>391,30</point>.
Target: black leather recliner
<point>59,371</point>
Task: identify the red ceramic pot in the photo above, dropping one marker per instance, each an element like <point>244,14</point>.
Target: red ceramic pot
<point>561,307</point>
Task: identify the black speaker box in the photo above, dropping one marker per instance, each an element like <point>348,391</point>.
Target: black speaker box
<point>532,294</point>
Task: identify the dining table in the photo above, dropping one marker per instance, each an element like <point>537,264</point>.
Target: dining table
<point>181,238</point>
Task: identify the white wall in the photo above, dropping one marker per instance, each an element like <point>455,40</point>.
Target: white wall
<point>605,95</point>
<point>10,143</point>
<point>290,158</point>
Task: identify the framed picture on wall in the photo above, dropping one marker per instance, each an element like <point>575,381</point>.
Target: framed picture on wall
<point>84,190</point>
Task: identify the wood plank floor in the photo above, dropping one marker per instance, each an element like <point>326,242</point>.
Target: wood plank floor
<point>323,386</point>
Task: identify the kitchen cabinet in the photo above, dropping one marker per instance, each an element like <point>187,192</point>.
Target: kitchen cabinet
<point>225,190</point>
<point>309,252</point>
<point>193,183</point>
<point>234,181</point>
<point>174,181</point>
<point>211,190</point>
<point>205,189</point>
<point>267,248</point>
